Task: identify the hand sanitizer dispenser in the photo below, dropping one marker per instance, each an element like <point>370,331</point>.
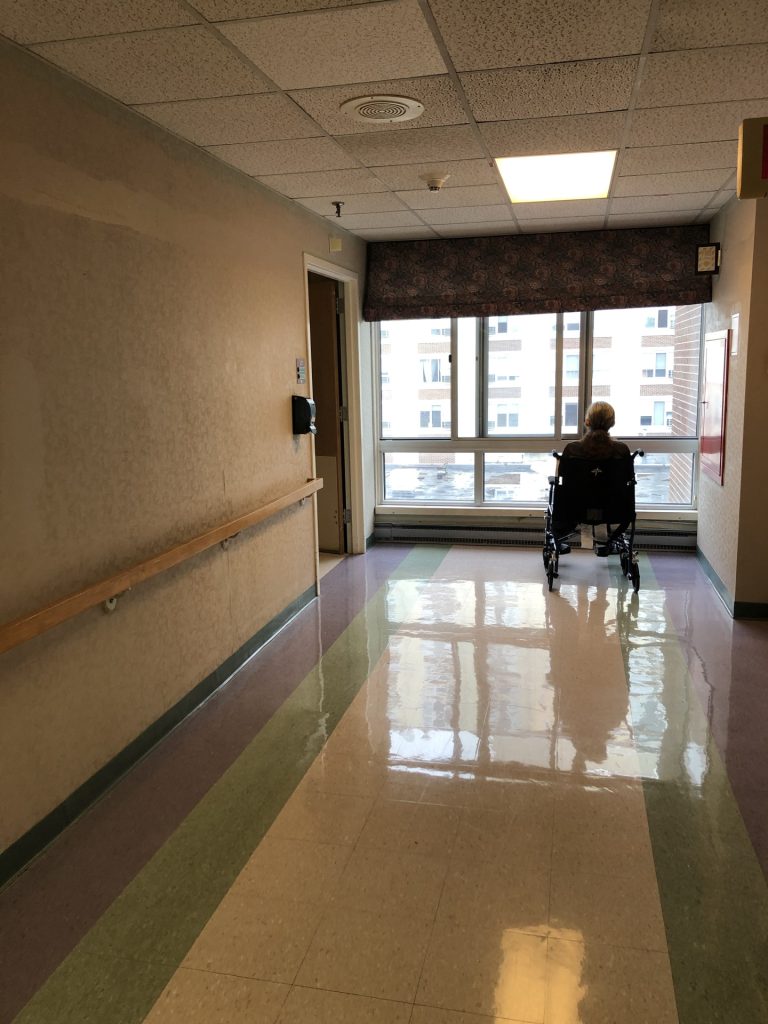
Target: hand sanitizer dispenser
<point>303,415</point>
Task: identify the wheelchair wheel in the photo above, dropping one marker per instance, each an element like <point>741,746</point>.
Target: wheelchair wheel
<point>551,572</point>
<point>624,565</point>
<point>546,554</point>
<point>635,575</point>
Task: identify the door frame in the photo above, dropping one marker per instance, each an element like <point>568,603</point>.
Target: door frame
<point>354,432</point>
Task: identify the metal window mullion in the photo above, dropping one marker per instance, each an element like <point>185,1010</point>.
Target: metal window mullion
<point>454,378</point>
<point>479,477</point>
<point>376,371</point>
<point>587,337</point>
<point>558,428</point>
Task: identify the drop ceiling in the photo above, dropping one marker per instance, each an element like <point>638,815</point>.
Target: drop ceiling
<point>259,84</point>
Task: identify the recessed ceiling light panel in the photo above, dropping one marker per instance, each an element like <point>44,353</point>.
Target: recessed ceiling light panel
<point>383,108</point>
<point>557,177</point>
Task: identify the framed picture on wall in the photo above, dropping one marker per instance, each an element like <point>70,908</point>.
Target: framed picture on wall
<point>713,404</point>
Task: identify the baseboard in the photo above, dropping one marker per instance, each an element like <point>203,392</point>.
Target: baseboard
<point>750,610</point>
<point>370,541</point>
<point>722,591</point>
<point>33,842</point>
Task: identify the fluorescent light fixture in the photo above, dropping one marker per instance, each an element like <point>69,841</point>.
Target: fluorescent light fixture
<point>558,177</point>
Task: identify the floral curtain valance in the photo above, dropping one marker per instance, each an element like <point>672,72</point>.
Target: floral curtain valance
<point>552,273</point>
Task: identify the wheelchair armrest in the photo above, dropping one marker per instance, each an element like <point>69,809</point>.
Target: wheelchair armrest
<point>553,479</point>
<point>636,452</point>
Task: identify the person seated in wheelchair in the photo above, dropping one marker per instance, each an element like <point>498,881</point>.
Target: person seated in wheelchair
<point>596,444</point>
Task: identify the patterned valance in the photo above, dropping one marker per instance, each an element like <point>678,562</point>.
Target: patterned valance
<point>552,273</point>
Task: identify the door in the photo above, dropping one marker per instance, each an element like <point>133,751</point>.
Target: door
<point>328,392</point>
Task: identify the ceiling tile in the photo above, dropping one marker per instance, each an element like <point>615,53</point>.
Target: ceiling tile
<point>498,34</point>
<point>699,122</point>
<point>657,220</point>
<point>380,149</point>
<point>438,95</point>
<point>668,184</point>
<point>168,64</point>
<point>583,87</point>
<point>340,184</point>
<point>465,214</point>
<point>351,44</point>
<point>690,157</point>
<point>661,204</point>
<point>459,172</point>
<point>469,195</point>
<point>704,76</point>
<point>577,134</point>
<point>395,219</point>
<point>228,10</point>
<point>561,210</point>
<point>230,119</point>
<point>682,25</point>
<point>289,157</point>
<point>395,234</point>
<point>473,230</point>
<point>532,227</point>
<point>376,202</point>
<point>37,21</point>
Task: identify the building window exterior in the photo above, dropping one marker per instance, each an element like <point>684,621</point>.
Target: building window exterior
<point>471,409</point>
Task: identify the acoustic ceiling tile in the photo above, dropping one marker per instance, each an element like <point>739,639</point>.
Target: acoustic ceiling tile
<point>231,119</point>
<point>437,94</point>
<point>682,25</point>
<point>395,234</point>
<point>668,184</point>
<point>561,210</point>
<point>704,76</point>
<point>535,226</point>
<point>582,87</point>
<point>289,157</point>
<point>460,172</point>
<point>230,10</point>
<point>688,157</point>
<point>335,47</point>
<point>662,204</point>
<point>375,202</point>
<point>468,214</point>
<point>468,195</point>
<point>394,219</point>
<point>575,134</point>
<point>498,34</point>
<point>164,64</point>
<point>473,230</point>
<point>652,220</point>
<point>323,183</point>
<point>38,21</point>
<point>380,149</point>
<point>699,122</point>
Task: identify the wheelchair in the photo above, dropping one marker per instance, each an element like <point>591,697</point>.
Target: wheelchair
<point>593,492</point>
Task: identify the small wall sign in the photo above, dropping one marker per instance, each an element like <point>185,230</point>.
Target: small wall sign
<point>301,371</point>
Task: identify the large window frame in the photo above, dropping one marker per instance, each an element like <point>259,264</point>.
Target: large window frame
<point>483,443</point>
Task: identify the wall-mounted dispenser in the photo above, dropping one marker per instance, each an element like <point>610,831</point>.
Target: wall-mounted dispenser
<point>303,415</point>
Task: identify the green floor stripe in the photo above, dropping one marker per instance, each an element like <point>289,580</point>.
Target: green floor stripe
<point>119,969</point>
<point>713,894</point>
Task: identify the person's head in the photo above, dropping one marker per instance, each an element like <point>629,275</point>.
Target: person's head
<point>600,416</point>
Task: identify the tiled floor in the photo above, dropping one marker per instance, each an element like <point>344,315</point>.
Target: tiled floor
<point>442,795</point>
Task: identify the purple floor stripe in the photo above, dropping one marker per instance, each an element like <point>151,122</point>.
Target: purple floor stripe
<point>727,661</point>
<point>47,910</point>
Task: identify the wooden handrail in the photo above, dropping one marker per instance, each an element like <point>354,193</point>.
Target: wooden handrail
<point>28,626</point>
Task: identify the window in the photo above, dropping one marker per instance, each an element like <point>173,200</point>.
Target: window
<point>512,408</point>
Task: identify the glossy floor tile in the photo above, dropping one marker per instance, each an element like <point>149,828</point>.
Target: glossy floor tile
<point>469,800</point>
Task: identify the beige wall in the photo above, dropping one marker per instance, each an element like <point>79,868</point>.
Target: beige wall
<point>151,315</point>
<point>752,573</point>
<point>720,507</point>
<point>731,532</point>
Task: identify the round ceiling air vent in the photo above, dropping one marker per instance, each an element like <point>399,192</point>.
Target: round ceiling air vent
<point>383,108</point>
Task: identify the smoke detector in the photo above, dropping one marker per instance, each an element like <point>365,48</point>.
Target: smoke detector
<point>435,180</point>
<point>384,109</point>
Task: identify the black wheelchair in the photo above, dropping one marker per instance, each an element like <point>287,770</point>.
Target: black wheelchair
<point>593,492</point>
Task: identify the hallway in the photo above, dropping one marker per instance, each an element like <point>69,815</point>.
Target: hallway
<point>441,795</point>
